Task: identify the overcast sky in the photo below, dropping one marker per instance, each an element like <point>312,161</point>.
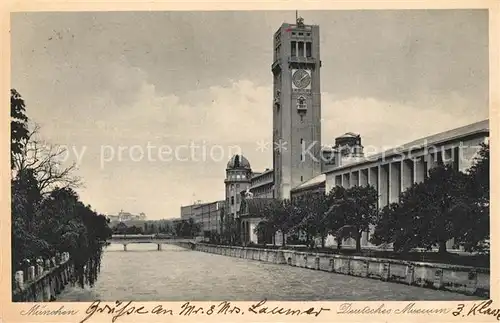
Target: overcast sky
<point>101,82</point>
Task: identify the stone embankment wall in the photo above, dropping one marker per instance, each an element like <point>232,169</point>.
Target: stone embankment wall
<point>187,245</point>
<point>461,279</point>
<point>44,280</point>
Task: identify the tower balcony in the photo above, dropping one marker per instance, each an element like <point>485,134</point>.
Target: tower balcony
<point>302,60</point>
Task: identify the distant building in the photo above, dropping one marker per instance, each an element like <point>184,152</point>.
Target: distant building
<point>113,218</point>
<point>208,215</point>
<point>187,212</point>
<point>127,216</point>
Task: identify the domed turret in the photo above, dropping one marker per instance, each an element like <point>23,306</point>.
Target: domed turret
<point>349,144</point>
<point>238,162</point>
<point>238,174</point>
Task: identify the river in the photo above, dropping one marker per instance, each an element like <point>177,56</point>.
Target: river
<point>175,274</point>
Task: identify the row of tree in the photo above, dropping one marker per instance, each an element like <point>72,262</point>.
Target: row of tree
<point>187,228</point>
<point>344,213</point>
<point>447,204</point>
<point>151,227</point>
<point>47,214</point>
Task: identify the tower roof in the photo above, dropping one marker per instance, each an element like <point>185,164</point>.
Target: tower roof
<point>349,135</point>
<point>238,162</point>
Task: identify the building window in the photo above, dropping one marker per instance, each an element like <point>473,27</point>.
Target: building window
<point>293,33</point>
<point>301,179</point>
<point>301,34</point>
<point>301,103</point>
<point>308,34</point>
<point>308,50</point>
<point>301,49</point>
<point>301,154</point>
<point>293,48</point>
<point>232,200</point>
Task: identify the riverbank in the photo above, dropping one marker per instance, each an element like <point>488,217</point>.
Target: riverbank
<point>176,274</point>
<point>454,257</point>
<point>43,281</point>
<point>460,279</point>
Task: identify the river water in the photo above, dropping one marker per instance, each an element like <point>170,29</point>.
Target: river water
<point>175,274</point>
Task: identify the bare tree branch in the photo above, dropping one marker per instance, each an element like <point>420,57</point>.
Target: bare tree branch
<point>46,161</point>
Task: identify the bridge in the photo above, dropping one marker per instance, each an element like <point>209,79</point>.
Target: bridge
<point>157,239</point>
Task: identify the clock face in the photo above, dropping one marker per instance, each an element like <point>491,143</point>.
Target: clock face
<point>301,79</point>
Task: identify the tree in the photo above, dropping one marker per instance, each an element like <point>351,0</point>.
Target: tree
<point>193,228</point>
<point>335,218</point>
<point>167,229</point>
<point>230,232</point>
<point>429,213</point>
<point>222,218</point>
<point>312,212</point>
<point>187,228</point>
<point>47,218</point>
<point>396,227</point>
<point>18,125</point>
<point>288,216</point>
<point>25,201</point>
<point>178,228</point>
<point>358,207</point>
<point>479,174</point>
<point>45,161</point>
<point>279,216</point>
<point>437,205</point>
<point>474,227</point>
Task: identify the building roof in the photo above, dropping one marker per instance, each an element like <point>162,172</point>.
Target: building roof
<point>238,161</point>
<point>197,206</point>
<point>256,205</point>
<point>439,138</point>
<point>258,174</point>
<point>310,183</point>
<point>349,135</point>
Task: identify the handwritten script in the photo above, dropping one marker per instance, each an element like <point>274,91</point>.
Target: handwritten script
<point>484,308</point>
<point>119,309</point>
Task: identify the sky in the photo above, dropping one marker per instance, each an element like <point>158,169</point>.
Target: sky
<point>151,105</point>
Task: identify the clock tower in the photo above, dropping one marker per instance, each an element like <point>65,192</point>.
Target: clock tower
<point>296,106</point>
